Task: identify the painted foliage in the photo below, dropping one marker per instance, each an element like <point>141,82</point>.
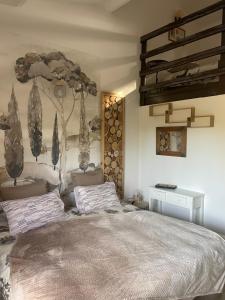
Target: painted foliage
<point>55,143</point>
<point>14,152</point>
<point>35,120</point>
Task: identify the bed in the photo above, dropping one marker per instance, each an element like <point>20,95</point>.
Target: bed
<point>116,253</point>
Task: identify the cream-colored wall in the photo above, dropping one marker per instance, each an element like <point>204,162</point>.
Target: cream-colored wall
<point>204,167</point>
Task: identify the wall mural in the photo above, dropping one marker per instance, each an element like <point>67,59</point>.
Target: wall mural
<point>54,77</point>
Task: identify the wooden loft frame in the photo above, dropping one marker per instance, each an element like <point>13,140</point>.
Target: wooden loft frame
<point>170,90</point>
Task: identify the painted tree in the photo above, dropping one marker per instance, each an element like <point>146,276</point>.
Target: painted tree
<point>84,141</point>
<point>35,120</point>
<point>67,78</point>
<point>55,143</point>
<point>14,152</point>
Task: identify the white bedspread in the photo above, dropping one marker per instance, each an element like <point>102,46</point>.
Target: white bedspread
<point>137,255</point>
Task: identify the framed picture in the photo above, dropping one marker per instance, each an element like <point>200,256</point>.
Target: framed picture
<point>176,34</point>
<point>171,141</point>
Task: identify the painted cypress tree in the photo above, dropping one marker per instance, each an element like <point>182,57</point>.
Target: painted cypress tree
<point>55,143</point>
<point>84,140</point>
<point>14,152</point>
<point>35,120</point>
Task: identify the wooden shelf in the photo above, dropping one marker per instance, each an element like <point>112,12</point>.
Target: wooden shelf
<point>189,86</point>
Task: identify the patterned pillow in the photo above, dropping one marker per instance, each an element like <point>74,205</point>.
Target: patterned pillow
<point>33,212</point>
<point>96,197</point>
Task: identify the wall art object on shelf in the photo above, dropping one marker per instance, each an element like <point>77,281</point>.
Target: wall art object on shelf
<point>113,109</point>
<point>13,142</point>
<point>176,34</point>
<point>181,115</point>
<point>171,141</point>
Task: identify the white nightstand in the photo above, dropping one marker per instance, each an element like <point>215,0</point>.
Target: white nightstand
<point>193,201</point>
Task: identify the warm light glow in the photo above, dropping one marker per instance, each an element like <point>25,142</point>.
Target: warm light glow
<point>127,89</point>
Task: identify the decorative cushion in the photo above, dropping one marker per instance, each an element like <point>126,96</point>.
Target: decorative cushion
<point>21,191</point>
<point>89,178</point>
<point>96,197</point>
<point>33,212</point>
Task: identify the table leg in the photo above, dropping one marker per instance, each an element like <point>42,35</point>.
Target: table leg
<point>160,207</point>
<point>150,204</point>
<point>191,215</point>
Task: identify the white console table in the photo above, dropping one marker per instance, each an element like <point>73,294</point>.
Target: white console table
<point>193,201</point>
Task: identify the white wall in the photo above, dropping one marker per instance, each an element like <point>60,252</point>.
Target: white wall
<point>204,167</point>
<point>131,144</point>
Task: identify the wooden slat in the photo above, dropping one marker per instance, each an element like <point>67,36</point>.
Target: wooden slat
<point>143,65</point>
<point>194,16</point>
<point>195,77</point>
<point>184,60</point>
<point>184,92</point>
<point>222,58</point>
<point>190,39</point>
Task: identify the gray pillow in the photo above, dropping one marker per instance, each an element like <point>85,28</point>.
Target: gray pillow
<point>89,178</point>
<point>96,197</point>
<point>33,212</point>
<point>31,189</point>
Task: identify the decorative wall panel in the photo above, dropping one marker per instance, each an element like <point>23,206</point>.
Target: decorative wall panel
<point>49,84</point>
<point>113,140</point>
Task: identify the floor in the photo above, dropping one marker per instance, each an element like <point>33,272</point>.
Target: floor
<point>214,297</point>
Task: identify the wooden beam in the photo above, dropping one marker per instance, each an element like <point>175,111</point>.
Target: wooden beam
<point>143,66</point>
<point>222,57</point>
<point>184,60</point>
<point>184,93</point>
<point>187,79</point>
<point>194,16</point>
<point>189,39</point>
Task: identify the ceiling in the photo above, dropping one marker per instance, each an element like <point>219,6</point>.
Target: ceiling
<point>109,5</point>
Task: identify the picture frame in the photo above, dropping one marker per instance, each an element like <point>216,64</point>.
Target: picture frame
<point>171,141</point>
<point>176,34</point>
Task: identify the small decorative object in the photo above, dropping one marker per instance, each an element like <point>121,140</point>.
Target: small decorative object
<point>35,120</point>
<point>176,34</point>
<point>55,143</point>
<point>139,202</point>
<point>113,140</point>
<point>14,152</point>
<point>171,141</point>
<point>4,122</point>
<point>166,186</point>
